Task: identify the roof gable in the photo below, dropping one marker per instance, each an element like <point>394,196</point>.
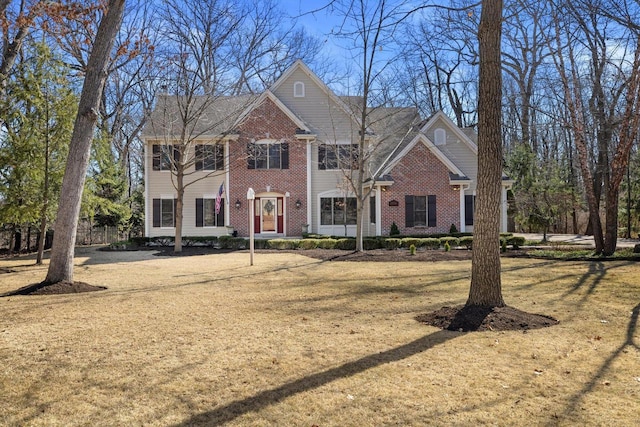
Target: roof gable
<point>300,66</point>
<point>421,138</point>
<point>270,95</point>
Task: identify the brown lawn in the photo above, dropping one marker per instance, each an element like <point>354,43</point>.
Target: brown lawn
<point>298,341</point>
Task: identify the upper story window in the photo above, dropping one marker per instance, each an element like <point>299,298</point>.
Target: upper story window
<point>161,157</point>
<point>440,136</point>
<point>298,90</point>
<point>337,156</point>
<point>209,157</point>
<point>268,154</point>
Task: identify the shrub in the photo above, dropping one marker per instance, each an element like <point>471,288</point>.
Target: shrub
<point>283,244</point>
<point>327,243</point>
<point>392,243</point>
<point>516,241</point>
<point>452,241</point>
<point>503,245</point>
<point>346,244</point>
<point>412,249</point>
<point>466,241</point>
<point>230,242</point>
<point>453,229</point>
<point>429,243</point>
<point>260,243</point>
<point>394,230</point>
<point>308,243</point>
<point>370,244</point>
<point>506,235</point>
<point>447,247</point>
<point>636,249</point>
<point>140,241</point>
<point>407,242</point>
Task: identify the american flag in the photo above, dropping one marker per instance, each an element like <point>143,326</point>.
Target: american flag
<point>219,198</point>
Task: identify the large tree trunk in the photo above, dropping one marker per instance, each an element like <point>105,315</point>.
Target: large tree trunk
<point>61,265</point>
<point>486,287</point>
<point>611,222</point>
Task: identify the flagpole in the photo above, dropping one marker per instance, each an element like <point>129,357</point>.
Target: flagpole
<point>251,195</point>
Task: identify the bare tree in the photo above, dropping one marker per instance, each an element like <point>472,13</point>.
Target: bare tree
<point>486,285</point>
<point>198,74</point>
<point>62,254</point>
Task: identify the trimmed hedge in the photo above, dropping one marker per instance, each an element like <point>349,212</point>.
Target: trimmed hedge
<point>466,241</point>
<point>408,241</point>
<point>369,244</point>
<point>453,241</point>
<point>516,241</point>
<point>283,244</point>
<point>392,243</point>
<point>327,243</point>
<point>429,243</point>
<point>308,243</point>
<point>346,244</point>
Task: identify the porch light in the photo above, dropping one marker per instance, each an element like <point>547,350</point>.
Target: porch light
<point>298,204</point>
<point>238,204</point>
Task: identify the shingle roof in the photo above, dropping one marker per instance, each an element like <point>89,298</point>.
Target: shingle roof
<point>203,115</point>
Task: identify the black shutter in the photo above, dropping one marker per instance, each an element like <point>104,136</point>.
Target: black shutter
<point>199,213</point>
<point>219,153</point>
<point>175,211</point>
<point>372,209</point>
<point>157,154</point>
<point>220,215</point>
<point>251,156</point>
<point>408,211</point>
<point>431,211</point>
<point>199,157</point>
<point>322,154</point>
<point>156,211</point>
<point>468,210</point>
<point>284,155</point>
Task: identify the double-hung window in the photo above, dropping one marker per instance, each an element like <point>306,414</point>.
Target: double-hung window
<point>337,156</point>
<point>420,211</point>
<point>338,211</point>
<point>164,212</point>
<point>162,157</point>
<point>209,157</point>
<point>268,155</point>
<point>206,215</point>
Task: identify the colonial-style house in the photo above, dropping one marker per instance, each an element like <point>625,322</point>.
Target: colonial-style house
<point>293,145</point>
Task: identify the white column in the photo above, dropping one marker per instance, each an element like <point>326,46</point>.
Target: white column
<point>463,218</point>
<point>378,211</point>
<point>309,207</point>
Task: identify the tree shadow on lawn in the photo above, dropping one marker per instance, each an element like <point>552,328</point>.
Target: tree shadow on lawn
<point>632,327</point>
<point>233,410</point>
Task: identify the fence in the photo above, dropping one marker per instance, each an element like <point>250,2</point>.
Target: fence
<point>86,235</point>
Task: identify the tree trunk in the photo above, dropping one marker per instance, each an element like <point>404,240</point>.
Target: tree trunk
<point>177,247</point>
<point>486,287</point>
<point>61,265</point>
<point>611,222</point>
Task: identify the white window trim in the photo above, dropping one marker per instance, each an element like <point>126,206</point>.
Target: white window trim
<point>172,198</point>
<point>298,90</point>
<point>207,197</point>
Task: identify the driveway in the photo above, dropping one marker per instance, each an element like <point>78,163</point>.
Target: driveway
<point>576,239</point>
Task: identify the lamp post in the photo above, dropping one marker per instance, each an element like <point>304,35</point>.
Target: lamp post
<point>251,196</point>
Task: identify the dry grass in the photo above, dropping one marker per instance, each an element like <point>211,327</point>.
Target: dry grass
<point>294,341</point>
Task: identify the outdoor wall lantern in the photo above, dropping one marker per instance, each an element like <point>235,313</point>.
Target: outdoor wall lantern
<point>298,204</point>
<point>238,204</point>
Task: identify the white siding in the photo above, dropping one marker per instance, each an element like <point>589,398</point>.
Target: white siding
<point>159,183</point>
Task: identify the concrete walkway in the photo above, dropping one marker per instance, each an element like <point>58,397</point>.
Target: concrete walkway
<point>575,239</point>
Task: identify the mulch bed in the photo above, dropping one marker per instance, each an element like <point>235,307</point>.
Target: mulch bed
<point>55,289</point>
<point>467,319</point>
